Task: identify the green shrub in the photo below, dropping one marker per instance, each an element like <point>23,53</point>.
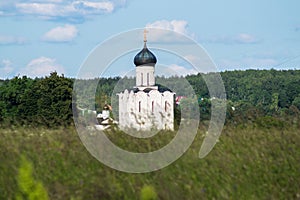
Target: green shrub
<point>28,187</point>
<point>269,122</point>
<point>148,193</point>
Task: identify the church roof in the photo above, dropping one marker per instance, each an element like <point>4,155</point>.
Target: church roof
<point>144,57</point>
<point>161,89</point>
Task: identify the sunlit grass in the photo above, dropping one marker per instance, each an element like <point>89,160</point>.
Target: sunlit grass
<point>246,163</point>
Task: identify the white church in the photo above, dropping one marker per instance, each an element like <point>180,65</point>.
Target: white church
<point>145,107</point>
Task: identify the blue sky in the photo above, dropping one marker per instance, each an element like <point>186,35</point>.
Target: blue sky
<point>40,36</point>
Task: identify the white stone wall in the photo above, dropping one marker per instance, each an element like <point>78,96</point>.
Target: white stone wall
<point>168,120</point>
<point>146,111</point>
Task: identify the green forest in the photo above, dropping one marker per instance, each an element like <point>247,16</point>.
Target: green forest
<point>257,155</point>
<point>48,101</point>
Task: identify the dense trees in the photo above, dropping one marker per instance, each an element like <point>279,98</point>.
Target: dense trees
<point>47,101</point>
<point>262,87</point>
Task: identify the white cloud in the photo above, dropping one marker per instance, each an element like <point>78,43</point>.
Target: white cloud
<point>70,10</point>
<point>87,7</point>
<point>203,63</point>
<point>246,38</point>
<point>49,1</point>
<point>38,8</point>
<point>42,66</point>
<point>192,58</point>
<point>242,38</point>
<point>57,9</point>
<point>247,63</point>
<point>160,31</point>
<point>179,26</point>
<point>65,33</point>
<point>5,39</point>
<point>263,61</point>
<point>174,70</point>
<point>5,68</point>
<point>182,70</point>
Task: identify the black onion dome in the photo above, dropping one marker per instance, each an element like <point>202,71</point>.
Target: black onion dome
<point>145,56</point>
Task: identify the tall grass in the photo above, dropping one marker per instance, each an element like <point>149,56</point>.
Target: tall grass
<point>247,163</point>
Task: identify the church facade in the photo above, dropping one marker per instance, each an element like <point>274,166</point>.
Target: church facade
<point>146,107</point>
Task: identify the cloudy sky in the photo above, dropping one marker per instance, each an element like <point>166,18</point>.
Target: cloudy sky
<point>41,36</point>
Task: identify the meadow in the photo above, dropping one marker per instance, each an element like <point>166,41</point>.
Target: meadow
<point>256,157</point>
<point>248,162</point>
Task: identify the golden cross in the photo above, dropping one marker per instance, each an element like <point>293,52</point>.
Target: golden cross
<point>145,35</point>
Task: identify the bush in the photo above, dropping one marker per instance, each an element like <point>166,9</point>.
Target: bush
<point>28,187</point>
<point>269,122</point>
<point>148,193</point>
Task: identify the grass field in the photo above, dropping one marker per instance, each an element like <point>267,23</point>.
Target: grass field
<point>247,163</point>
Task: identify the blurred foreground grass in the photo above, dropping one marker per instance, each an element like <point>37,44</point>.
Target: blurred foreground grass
<point>246,163</point>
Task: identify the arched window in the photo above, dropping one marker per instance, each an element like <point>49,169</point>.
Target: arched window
<point>152,106</point>
<point>166,106</point>
<point>148,79</point>
<point>139,106</point>
<point>141,78</point>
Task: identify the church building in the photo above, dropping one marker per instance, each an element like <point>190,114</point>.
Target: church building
<point>146,107</point>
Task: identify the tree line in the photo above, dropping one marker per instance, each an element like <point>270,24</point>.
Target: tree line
<point>48,101</point>
<point>41,101</point>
